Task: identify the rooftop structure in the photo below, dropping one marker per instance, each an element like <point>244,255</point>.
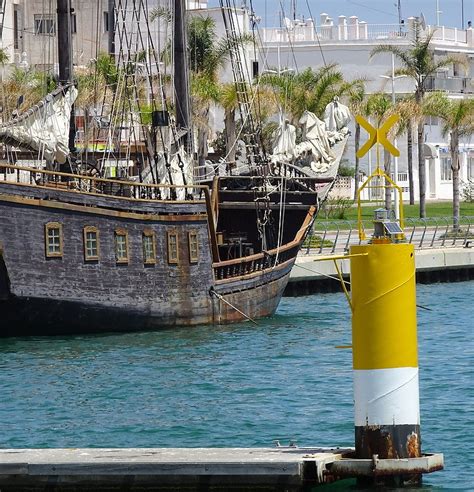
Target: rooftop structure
<point>29,39</point>
<point>349,42</point>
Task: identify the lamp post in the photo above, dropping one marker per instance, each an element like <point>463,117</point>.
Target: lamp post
<point>393,77</point>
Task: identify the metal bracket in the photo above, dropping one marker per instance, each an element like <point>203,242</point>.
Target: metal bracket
<point>375,467</point>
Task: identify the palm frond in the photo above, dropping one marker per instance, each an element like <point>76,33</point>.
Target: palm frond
<point>160,12</point>
<point>401,54</point>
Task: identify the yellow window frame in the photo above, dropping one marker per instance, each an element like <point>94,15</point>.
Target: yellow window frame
<point>121,233</point>
<point>173,256</point>
<point>87,256</point>
<point>47,227</point>
<point>148,233</point>
<point>193,238</point>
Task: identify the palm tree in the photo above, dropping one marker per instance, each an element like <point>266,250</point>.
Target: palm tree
<point>205,91</point>
<point>379,106</point>
<point>4,58</point>
<point>310,89</point>
<point>229,101</point>
<point>357,104</point>
<point>409,112</point>
<point>23,89</point>
<point>419,63</point>
<point>208,54</point>
<point>458,118</point>
<point>106,68</point>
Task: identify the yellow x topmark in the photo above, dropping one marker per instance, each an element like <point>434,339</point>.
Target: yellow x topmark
<point>377,135</point>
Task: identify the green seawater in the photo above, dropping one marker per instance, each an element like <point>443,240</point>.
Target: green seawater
<point>241,385</point>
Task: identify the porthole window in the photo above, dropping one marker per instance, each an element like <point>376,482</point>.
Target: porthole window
<point>193,244</point>
<point>149,247</point>
<point>91,243</point>
<point>173,250</point>
<point>53,236</point>
<point>121,246</point>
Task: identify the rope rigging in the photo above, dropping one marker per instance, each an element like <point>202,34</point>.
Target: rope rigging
<point>251,132</point>
<point>139,103</point>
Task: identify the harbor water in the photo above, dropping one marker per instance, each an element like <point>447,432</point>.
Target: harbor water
<point>243,385</point>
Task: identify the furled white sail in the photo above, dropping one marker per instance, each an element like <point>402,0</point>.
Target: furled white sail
<point>44,127</point>
<point>318,150</point>
<point>285,140</point>
<point>336,116</point>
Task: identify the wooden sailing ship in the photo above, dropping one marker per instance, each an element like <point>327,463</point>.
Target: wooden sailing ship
<point>87,254</point>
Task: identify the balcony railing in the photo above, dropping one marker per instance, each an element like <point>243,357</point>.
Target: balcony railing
<point>450,84</point>
<point>306,31</point>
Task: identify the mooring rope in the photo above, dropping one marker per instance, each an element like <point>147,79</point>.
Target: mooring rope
<point>345,281</point>
<point>321,273</point>
<point>221,298</point>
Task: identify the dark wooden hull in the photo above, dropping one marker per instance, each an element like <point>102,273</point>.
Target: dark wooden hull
<point>67,295</point>
<point>42,316</point>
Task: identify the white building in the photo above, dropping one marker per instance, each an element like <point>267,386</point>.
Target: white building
<point>29,37</point>
<point>348,42</point>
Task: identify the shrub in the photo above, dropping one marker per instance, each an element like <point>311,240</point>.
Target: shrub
<point>336,208</point>
<point>467,190</point>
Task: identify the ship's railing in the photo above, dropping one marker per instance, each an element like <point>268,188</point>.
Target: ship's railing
<point>100,186</point>
<point>335,237</point>
<point>290,171</point>
<point>240,267</point>
<point>278,172</point>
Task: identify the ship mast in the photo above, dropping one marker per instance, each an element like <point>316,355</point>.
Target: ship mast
<point>181,82</point>
<point>65,58</point>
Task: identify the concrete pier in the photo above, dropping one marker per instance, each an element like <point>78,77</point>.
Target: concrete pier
<point>278,468</point>
<point>230,469</point>
<point>310,275</point>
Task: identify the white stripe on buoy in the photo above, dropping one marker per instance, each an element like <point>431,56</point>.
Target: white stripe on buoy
<point>386,396</point>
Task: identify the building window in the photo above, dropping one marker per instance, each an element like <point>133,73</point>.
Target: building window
<point>173,252</point>
<point>16,36</point>
<point>446,171</point>
<point>121,246</point>
<point>193,247</point>
<point>54,239</point>
<point>91,243</point>
<point>73,24</point>
<point>470,167</point>
<point>106,22</point>
<point>44,24</point>
<point>149,247</point>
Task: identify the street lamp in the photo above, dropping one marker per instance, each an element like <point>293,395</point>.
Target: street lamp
<point>393,77</point>
<point>438,12</point>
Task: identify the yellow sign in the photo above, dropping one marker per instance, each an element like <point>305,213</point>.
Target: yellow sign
<point>377,135</point>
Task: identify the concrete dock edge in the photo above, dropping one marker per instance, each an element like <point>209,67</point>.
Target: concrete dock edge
<point>310,275</point>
